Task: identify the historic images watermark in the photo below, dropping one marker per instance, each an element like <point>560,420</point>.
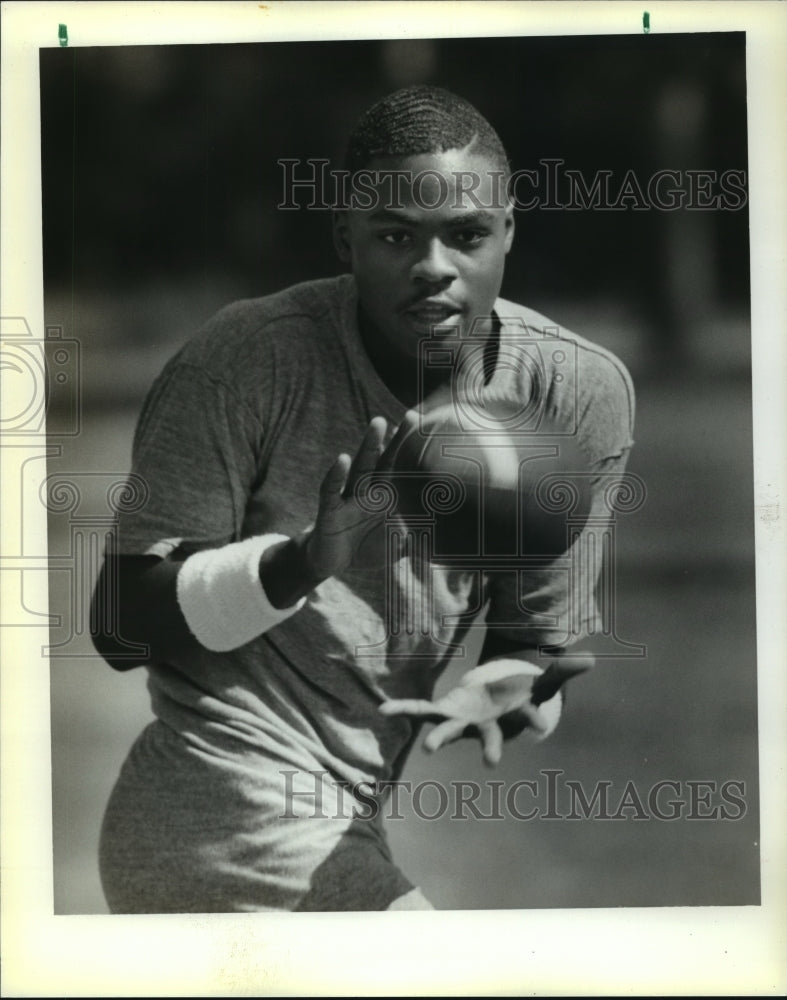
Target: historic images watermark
<point>547,796</point>
<point>552,186</point>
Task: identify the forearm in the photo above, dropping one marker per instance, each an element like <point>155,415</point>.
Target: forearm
<point>215,599</point>
<point>499,643</point>
<point>135,605</point>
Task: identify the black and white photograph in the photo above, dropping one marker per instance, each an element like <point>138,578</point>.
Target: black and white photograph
<point>393,420</point>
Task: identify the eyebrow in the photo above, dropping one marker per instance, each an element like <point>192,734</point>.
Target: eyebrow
<point>476,216</point>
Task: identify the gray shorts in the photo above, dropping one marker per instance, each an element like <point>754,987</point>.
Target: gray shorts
<point>191,830</point>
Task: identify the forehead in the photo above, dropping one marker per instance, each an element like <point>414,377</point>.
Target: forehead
<point>452,181</point>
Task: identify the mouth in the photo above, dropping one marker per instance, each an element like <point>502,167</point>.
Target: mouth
<point>429,313</point>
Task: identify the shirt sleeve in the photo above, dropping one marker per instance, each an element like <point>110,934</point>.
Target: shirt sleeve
<point>557,604</point>
<point>194,464</point>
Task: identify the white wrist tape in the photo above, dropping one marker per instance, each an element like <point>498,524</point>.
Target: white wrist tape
<point>222,598</point>
<point>164,547</point>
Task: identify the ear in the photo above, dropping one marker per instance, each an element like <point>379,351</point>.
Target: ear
<point>510,226</point>
<point>341,235</point>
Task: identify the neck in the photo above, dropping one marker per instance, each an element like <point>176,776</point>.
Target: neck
<point>399,371</point>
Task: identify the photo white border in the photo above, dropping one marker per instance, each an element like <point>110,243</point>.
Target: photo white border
<point>669,951</point>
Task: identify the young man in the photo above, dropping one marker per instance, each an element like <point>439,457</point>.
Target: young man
<point>292,650</point>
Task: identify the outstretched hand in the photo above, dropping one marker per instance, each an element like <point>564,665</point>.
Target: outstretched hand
<point>343,519</point>
<point>496,700</point>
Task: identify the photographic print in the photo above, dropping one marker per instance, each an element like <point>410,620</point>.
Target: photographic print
<point>203,176</point>
<point>392,426</point>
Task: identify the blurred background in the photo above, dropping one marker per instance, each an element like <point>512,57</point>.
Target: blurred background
<point>160,192</point>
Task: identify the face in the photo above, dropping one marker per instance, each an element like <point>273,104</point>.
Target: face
<point>429,260</point>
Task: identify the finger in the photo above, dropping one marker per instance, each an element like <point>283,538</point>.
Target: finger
<point>557,673</point>
<point>409,423</point>
<point>408,706</point>
<point>368,454</point>
<point>492,743</point>
<point>449,730</point>
<point>334,482</point>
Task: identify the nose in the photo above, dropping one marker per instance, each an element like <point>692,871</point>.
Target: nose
<point>435,264</point>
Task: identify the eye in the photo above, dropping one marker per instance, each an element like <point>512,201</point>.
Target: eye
<point>470,237</point>
<point>399,237</point>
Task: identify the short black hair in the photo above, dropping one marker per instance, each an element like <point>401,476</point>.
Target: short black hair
<point>421,119</point>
